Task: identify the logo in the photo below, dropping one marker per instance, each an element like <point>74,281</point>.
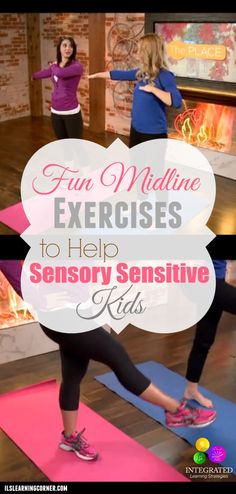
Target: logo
<point>202,444</point>
<point>199,458</point>
<point>178,50</point>
<point>216,454</point>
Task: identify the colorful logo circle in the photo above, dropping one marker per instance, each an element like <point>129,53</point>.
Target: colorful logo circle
<point>199,458</point>
<point>216,454</point>
<point>202,444</point>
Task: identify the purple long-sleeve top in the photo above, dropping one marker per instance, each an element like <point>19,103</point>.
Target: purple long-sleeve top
<point>65,81</point>
<point>12,272</point>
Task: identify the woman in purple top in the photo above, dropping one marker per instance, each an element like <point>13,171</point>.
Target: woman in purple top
<point>65,73</point>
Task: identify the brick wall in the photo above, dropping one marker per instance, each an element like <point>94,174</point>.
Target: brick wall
<point>14,84</point>
<point>122,33</point>
<point>52,26</point>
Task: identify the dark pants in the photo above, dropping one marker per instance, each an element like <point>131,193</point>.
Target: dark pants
<point>76,351</point>
<point>67,126</point>
<point>138,137</point>
<point>224,300</point>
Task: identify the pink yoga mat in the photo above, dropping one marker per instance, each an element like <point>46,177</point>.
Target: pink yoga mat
<point>31,418</point>
<point>15,218</point>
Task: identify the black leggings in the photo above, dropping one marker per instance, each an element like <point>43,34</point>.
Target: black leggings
<point>77,349</point>
<point>67,126</point>
<point>224,300</point>
<point>138,137</point>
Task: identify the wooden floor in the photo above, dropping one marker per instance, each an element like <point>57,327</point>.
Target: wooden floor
<point>21,138</point>
<point>171,350</point>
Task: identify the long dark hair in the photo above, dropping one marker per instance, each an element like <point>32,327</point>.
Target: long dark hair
<point>73,55</point>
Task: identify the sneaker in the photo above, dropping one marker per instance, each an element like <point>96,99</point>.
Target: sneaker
<point>77,443</point>
<point>187,416</point>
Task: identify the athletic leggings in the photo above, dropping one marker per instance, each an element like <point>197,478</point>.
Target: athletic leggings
<point>138,137</point>
<point>224,300</point>
<point>77,349</point>
<point>67,126</point>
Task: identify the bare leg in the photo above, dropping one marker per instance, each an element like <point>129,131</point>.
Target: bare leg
<point>152,394</point>
<point>157,397</point>
<point>69,418</point>
<point>192,393</point>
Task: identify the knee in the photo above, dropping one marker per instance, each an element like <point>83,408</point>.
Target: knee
<point>117,357</point>
<point>118,350</point>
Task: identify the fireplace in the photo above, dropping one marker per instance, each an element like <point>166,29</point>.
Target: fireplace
<point>205,125</point>
<point>20,334</point>
<point>200,50</point>
<point>13,310</point>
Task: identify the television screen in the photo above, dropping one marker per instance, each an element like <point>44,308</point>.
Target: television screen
<point>200,50</point>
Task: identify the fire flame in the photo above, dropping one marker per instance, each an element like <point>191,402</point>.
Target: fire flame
<point>207,125</point>
<point>13,310</point>
<point>202,135</point>
<point>187,130</point>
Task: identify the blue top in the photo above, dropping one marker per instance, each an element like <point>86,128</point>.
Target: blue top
<point>149,112</point>
<point>220,268</point>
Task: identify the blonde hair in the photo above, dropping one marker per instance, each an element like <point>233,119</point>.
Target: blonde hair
<point>151,53</point>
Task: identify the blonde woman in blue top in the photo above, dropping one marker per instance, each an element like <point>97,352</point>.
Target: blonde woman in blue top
<point>155,89</point>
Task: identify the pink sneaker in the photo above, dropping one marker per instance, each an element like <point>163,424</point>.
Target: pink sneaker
<point>187,416</point>
<point>77,443</point>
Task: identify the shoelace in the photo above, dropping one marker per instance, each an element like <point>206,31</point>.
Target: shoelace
<point>81,440</point>
<point>194,411</point>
